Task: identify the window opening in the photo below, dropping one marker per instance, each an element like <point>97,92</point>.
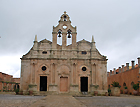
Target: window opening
<point>65,18</point>
<point>84,68</point>
<point>124,84</point>
<point>84,52</point>
<point>64,27</point>
<point>44,68</point>
<point>132,83</point>
<point>69,36</point>
<point>59,41</point>
<point>59,33</point>
<point>44,52</point>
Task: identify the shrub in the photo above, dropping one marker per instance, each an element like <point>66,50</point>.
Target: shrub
<point>136,86</point>
<point>109,90</point>
<point>125,87</point>
<point>115,84</point>
<point>17,91</point>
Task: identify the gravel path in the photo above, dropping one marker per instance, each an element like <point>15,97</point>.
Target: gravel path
<point>106,101</point>
<point>58,101</point>
<point>68,101</point>
<point>17,100</point>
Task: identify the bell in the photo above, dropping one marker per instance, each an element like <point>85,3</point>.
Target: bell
<point>69,32</point>
<point>69,36</point>
<point>59,35</point>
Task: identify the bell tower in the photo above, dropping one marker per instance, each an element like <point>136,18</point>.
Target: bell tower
<point>64,30</point>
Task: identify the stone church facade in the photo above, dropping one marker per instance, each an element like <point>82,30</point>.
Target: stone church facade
<point>74,68</point>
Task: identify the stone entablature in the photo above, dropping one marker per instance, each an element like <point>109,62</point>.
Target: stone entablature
<point>63,65</point>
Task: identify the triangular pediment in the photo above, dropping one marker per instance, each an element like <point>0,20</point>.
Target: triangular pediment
<point>84,41</point>
<point>45,41</point>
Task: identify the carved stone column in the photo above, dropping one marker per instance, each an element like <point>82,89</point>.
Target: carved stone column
<point>64,40</point>
<point>74,73</point>
<point>74,40</point>
<point>33,65</point>
<point>53,73</point>
<point>93,74</point>
<point>54,43</point>
<point>96,74</point>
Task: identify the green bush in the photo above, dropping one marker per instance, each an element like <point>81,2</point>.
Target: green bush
<point>17,91</point>
<point>136,86</point>
<point>109,90</point>
<point>115,84</point>
<point>125,87</point>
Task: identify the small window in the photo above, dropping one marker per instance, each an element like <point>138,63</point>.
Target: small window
<point>64,27</point>
<point>132,83</point>
<point>44,52</point>
<point>84,52</point>
<point>124,84</point>
<point>84,68</point>
<point>65,18</point>
<point>44,68</point>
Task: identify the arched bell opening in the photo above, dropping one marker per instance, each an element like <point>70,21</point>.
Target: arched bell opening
<point>59,37</point>
<point>69,37</point>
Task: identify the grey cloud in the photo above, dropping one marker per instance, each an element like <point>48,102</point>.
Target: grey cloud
<point>114,24</point>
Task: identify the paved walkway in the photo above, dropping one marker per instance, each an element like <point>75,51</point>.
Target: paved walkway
<point>58,101</point>
<point>68,101</point>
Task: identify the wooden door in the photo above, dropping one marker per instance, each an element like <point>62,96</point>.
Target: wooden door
<point>63,84</point>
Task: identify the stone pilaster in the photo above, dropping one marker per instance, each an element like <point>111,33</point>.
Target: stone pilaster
<point>54,42</point>
<point>33,65</point>
<point>74,40</point>
<point>64,40</point>
<point>93,74</point>
<point>74,74</point>
<point>53,74</point>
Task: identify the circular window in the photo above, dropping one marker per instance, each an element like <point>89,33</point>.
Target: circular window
<point>84,68</point>
<point>64,27</point>
<point>44,68</point>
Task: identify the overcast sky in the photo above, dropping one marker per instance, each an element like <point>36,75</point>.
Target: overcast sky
<point>115,25</point>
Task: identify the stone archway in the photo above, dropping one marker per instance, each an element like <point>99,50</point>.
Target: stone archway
<point>64,72</point>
